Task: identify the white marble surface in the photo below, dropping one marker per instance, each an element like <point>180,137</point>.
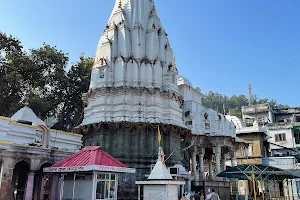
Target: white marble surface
<point>134,53</point>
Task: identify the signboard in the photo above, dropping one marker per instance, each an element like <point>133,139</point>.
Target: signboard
<point>89,168</point>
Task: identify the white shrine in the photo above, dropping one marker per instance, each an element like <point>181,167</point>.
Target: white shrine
<point>135,88</point>
<point>134,75</point>
<point>160,184</point>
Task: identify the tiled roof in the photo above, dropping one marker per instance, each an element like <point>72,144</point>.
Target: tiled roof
<point>90,155</point>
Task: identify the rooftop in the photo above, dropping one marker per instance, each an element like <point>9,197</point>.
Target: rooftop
<point>90,155</point>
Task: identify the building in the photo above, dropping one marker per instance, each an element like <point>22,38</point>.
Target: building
<point>280,125</point>
<point>273,136</point>
<point>135,89</point>
<point>27,146</point>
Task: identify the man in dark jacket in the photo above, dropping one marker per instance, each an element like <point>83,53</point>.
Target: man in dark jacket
<point>197,196</point>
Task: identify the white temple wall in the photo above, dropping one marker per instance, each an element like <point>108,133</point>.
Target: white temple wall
<point>114,48</point>
<point>152,45</point>
<point>23,134</point>
<point>157,79</point>
<point>163,108</point>
<point>119,72</point>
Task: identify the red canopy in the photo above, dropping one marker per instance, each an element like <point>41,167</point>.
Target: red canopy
<point>90,155</point>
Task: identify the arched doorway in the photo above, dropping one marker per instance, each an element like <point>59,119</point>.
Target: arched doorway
<point>20,175</point>
<point>42,184</point>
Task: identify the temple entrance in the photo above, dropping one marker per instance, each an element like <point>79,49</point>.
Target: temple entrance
<point>20,174</point>
<point>42,184</point>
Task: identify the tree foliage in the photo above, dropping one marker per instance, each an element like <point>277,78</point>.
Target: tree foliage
<point>39,78</point>
<point>233,105</point>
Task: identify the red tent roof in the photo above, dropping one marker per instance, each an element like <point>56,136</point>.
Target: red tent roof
<point>90,155</point>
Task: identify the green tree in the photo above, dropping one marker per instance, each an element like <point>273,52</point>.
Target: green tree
<point>78,80</point>
<point>40,79</point>
<point>46,89</point>
<point>13,61</point>
<point>234,104</point>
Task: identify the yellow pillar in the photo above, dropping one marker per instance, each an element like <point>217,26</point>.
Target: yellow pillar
<point>262,188</point>
<point>288,188</point>
<point>269,188</point>
<point>253,183</point>
<point>278,189</point>
<point>276,194</point>
<point>292,189</point>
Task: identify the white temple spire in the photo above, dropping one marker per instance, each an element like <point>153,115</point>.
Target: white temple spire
<point>160,171</point>
<point>134,53</point>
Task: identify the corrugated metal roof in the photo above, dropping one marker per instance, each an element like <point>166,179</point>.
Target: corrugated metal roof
<point>90,155</point>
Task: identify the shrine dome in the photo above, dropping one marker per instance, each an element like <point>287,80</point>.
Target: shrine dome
<point>184,81</point>
<point>26,115</point>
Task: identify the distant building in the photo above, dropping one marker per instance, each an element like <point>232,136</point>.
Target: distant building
<point>274,138</point>
<point>27,146</point>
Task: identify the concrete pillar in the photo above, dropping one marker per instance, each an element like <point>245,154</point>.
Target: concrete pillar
<point>29,186</point>
<point>217,153</point>
<point>195,172</point>
<point>6,176</point>
<point>223,160</point>
<point>233,158</point>
<point>55,187</point>
<point>42,187</point>
<point>194,160</point>
<point>201,163</point>
<point>210,169</point>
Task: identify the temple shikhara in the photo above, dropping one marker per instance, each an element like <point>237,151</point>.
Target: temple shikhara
<point>135,88</point>
<point>136,96</point>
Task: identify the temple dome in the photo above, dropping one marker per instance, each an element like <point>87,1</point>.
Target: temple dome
<point>184,81</point>
<point>134,77</point>
<point>26,115</point>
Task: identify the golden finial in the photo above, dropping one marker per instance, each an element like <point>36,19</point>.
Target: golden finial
<point>120,4</point>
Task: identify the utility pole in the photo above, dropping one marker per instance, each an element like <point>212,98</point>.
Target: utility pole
<point>249,94</point>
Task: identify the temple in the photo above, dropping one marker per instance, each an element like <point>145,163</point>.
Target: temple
<point>135,87</point>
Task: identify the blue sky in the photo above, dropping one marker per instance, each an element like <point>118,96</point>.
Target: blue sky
<point>221,45</point>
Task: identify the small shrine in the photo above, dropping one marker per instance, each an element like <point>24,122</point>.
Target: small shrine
<point>90,174</point>
<point>160,184</point>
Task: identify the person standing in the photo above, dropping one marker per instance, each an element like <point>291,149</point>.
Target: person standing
<point>214,196</point>
<point>183,197</point>
<point>197,196</point>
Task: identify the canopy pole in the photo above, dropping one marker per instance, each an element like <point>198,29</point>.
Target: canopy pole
<point>292,189</point>
<point>253,183</point>
<point>269,188</point>
<point>74,180</point>
<point>276,194</point>
<point>262,188</point>
<point>278,189</point>
<point>288,188</point>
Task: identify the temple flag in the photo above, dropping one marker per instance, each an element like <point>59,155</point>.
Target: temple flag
<point>158,135</point>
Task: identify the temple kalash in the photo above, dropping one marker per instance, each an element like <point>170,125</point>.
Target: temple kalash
<point>135,90</point>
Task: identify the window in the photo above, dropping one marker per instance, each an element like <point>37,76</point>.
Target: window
<point>280,137</point>
<point>101,73</point>
<point>189,123</point>
<point>297,136</point>
<point>173,79</point>
<point>207,125</point>
<point>106,184</point>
